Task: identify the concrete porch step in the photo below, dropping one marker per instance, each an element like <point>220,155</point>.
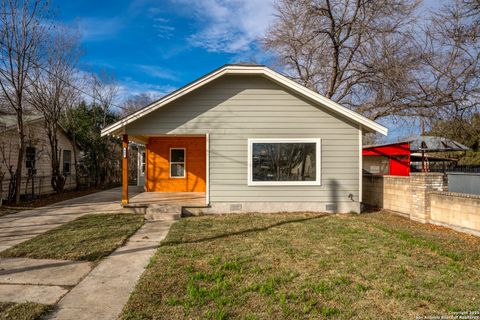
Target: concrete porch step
<point>164,212</point>
<point>164,208</point>
<point>162,216</point>
<point>155,212</point>
<point>135,208</point>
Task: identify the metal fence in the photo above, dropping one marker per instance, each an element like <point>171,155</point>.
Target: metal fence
<point>464,182</point>
<point>441,168</point>
<point>471,169</point>
<point>36,186</point>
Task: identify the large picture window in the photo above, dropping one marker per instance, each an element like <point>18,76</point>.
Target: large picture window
<point>284,161</point>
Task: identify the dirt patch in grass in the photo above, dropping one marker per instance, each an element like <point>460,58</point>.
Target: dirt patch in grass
<point>23,311</point>
<point>304,266</point>
<point>90,237</point>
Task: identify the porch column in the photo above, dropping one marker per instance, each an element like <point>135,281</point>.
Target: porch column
<point>125,169</point>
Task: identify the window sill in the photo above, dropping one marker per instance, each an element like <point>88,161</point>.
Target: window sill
<point>284,183</point>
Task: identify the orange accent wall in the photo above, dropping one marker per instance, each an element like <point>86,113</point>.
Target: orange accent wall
<point>158,160</point>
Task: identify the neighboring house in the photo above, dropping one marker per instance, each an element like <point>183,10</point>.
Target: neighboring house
<point>252,140</point>
<point>399,158</point>
<point>387,159</point>
<point>37,168</point>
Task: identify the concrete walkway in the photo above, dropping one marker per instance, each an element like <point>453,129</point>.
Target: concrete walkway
<point>104,291</point>
<point>44,280</point>
<point>21,226</point>
<point>81,292</point>
<point>39,280</point>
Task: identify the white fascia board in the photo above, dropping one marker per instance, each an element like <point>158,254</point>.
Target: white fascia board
<point>158,104</point>
<point>249,70</point>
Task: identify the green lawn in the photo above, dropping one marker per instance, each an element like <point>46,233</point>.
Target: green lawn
<point>22,311</point>
<point>90,237</point>
<point>308,266</point>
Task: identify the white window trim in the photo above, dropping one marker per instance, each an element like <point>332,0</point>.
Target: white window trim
<point>69,162</point>
<point>142,161</point>
<point>318,148</point>
<point>184,164</point>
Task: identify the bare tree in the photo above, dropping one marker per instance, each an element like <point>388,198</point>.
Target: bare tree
<point>21,31</point>
<point>449,79</point>
<point>105,91</point>
<point>52,92</point>
<point>73,128</point>
<point>472,8</point>
<point>375,57</point>
<point>6,149</point>
<point>344,49</point>
<point>136,102</point>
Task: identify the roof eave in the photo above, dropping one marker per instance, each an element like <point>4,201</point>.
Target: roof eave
<point>366,123</point>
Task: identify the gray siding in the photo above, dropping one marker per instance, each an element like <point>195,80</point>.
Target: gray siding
<point>233,109</point>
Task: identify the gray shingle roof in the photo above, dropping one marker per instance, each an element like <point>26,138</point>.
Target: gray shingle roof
<point>435,144</point>
<point>9,121</point>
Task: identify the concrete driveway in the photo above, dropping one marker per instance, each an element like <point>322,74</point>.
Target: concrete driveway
<point>21,226</point>
<point>46,280</point>
<point>79,289</point>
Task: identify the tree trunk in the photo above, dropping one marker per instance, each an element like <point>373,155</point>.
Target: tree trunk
<point>2,176</point>
<point>58,180</point>
<point>21,152</point>
<point>75,162</point>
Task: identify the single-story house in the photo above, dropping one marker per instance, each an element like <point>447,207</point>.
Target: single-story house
<point>251,140</point>
<point>37,167</point>
<point>422,153</point>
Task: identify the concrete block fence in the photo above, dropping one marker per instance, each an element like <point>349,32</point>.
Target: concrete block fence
<point>422,197</point>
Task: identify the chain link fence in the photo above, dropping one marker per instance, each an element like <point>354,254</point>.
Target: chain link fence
<point>40,185</point>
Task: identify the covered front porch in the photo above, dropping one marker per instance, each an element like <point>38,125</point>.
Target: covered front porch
<point>158,205</point>
<point>184,199</point>
<point>174,167</point>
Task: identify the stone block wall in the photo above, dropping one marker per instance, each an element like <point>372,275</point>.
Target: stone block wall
<point>422,198</point>
<point>421,185</point>
<point>406,195</point>
<point>373,191</point>
<point>396,191</point>
<point>456,210</point>
<point>389,192</point>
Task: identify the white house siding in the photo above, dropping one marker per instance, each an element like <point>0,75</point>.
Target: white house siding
<point>233,109</point>
<point>35,133</point>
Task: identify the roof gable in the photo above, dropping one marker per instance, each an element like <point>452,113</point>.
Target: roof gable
<point>281,80</point>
